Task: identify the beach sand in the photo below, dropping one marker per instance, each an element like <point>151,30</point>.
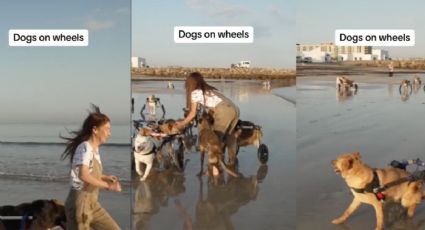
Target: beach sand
<point>376,120</point>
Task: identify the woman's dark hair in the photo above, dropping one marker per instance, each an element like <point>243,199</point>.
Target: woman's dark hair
<point>196,81</point>
<point>94,119</point>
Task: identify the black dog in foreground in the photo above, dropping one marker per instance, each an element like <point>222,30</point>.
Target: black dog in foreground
<point>37,215</point>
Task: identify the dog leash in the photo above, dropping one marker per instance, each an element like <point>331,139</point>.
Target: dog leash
<point>415,176</point>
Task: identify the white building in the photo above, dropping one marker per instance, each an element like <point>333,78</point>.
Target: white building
<point>379,54</point>
<point>326,52</point>
<point>138,62</point>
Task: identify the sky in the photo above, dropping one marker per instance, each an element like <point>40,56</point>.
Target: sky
<point>317,21</point>
<point>273,22</point>
<point>57,84</point>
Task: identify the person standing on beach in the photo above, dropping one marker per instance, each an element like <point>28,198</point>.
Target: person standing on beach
<point>391,69</point>
<point>82,208</point>
<point>225,112</point>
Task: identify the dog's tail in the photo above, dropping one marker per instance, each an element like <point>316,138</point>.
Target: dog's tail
<point>227,169</point>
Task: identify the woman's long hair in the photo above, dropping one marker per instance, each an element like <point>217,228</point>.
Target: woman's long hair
<point>94,119</point>
<point>196,81</point>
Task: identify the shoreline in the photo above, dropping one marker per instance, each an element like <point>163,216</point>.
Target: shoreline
<point>214,73</point>
<point>349,68</point>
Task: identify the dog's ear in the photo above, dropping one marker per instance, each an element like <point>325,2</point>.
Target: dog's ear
<point>356,155</point>
<point>347,164</point>
<point>350,163</point>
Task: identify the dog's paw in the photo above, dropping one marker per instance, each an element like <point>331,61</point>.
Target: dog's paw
<point>143,179</point>
<point>338,221</point>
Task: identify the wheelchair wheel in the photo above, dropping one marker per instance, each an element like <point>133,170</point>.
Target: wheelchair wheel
<point>263,153</point>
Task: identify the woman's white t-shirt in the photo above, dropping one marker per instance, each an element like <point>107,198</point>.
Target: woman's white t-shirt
<point>84,155</point>
<point>211,99</point>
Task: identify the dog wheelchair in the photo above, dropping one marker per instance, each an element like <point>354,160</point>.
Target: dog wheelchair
<point>247,133</point>
<point>152,103</point>
<point>171,147</point>
<point>417,175</point>
<point>251,134</point>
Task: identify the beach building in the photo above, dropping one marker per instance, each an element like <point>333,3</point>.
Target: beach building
<point>138,62</point>
<point>327,52</point>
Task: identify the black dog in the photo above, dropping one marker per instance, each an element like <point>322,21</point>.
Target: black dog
<point>39,215</point>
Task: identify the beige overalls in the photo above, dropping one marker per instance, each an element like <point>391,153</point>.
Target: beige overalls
<point>226,116</point>
<point>83,210</point>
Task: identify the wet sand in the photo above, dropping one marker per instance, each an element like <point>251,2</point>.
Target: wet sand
<point>377,121</point>
<point>323,69</point>
<point>263,198</point>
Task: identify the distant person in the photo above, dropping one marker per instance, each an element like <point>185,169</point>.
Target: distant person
<point>391,69</point>
<point>225,112</point>
<point>82,208</point>
<point>170,85</point>
<point>132,105</point>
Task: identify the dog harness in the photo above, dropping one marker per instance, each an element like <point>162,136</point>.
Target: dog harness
<point>373,187</point>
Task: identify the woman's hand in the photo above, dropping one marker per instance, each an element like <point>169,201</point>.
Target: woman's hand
<point>110,178</point>
<point>180,125</point>
<point>189,117</point>
<point>115,186</point>
<point>113,183</point>
<point>105,182</point>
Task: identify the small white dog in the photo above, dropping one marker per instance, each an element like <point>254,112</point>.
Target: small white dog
<point>145,148</point>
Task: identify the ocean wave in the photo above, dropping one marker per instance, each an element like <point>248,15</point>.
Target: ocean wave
<point>19,176</point>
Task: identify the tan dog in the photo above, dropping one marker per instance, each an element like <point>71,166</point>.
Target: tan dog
<point>405,83</point>
<point>345,83</point>
<point>404,88</point>
<point>417,80</point>
<point>362,180</point>
<point>210,143</point>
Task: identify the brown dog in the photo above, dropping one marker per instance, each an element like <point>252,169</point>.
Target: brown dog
<point>210,143</point>
<point>169,127</point>
<point>363,180</point>
<point>343,82</point>
<point>45,214</point>
<point>248,133</point>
